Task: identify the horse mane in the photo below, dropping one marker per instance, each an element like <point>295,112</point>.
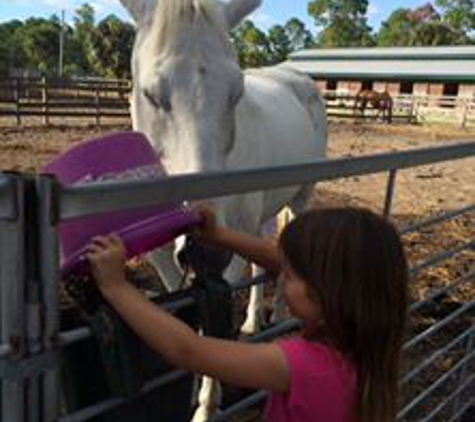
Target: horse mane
<point>171,16</point>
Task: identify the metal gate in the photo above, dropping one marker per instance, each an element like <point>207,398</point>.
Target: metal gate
<point>32,346</point>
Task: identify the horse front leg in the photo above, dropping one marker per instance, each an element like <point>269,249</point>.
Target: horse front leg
<point>255,313</point>
<point>279,305</point>
<point>209,400</point>
<point>210,392</point>
<point>255,316</point>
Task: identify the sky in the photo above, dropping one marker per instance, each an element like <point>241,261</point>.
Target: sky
<point>271,12</point>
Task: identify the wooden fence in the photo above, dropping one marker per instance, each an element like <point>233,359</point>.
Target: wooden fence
<point>409,108</point>
<point>20,98</point>
<point>99,99</point>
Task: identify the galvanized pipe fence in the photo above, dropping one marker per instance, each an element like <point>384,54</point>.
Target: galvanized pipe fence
<point>32,345</point>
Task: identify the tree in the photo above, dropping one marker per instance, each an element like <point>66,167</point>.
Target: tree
<point>111,47</point>
<point>299,36</point>
<point>344,23</point>
<point>12,54</point>
<point>237,40</point>
<point>459,14</point>
<point>283,40</point>
<point>4,65</point>
<point>438,33</point>
<point>422,26</point>
<point>40,41</point>
<point>397,30</point>
<point>257,47</point>
<point>252,45</point>
<point>279,44</point>
<point>81,41</point>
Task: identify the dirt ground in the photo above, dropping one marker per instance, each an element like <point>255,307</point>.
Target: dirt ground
<point>421,190</point>
<point>420,193</point>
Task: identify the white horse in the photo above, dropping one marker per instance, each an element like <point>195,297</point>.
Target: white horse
<point>202,114</point>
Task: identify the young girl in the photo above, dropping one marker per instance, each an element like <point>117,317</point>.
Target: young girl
<point>344,274</point>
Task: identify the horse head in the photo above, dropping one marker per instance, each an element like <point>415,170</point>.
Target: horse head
<point>187,80</point>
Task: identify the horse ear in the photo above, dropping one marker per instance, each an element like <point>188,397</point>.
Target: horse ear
<point>237,10</point>
<point>140,9</point>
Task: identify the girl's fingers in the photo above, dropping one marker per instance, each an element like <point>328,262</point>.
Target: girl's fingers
<point>116,239</point>
<point>202,208</point>
<point>101,241</point>
<point>94,248</point>
<point>89,255</point>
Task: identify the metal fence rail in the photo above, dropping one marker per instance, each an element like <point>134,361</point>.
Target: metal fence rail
<point>419,399</point>
<point>81,201</point>
<point>12,291</point>
<point>56,204</point>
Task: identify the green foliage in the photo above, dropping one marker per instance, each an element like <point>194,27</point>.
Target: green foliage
<point>40,41</point>
<point>256,48</point>
<point>111,48</point>
<point>423,26</point>
<point>251,45</point>
<point>344,23</point>
<point>3,61</point>
<point>299,36</point>
<point>397,30</point>
<point>459,15</point>
<point>103,49</point>
<point>279,44</point>
<point>12,54</point>
<point>256,45</point>
<point>438,33</point>
<point>81,41</point>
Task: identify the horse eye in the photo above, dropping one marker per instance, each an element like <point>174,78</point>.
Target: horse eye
<point>150,98</point>
<point>163,102</point>
<point>166,103</point>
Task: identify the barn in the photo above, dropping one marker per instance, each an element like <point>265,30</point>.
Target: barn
<point>422,71</point>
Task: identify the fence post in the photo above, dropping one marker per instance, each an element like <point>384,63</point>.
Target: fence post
<point>45,100</point>
<point>415,109</point>
<point>466,108</point>
<point>98,105</point>
<point>48,271</point>
<point>412,109</point>
<point>16,97</point>
<point>12,306</point>
<point>33,298</point>
<point>389,193</point>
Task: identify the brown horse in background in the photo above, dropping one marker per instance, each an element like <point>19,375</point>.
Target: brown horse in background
<point>380,101</point>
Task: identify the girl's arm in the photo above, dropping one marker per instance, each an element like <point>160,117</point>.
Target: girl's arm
<point>246,365</point>
<point>259,251</point>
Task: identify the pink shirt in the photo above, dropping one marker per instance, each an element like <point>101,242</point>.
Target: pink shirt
<point>321,385</point>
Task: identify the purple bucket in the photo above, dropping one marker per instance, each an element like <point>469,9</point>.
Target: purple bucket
<point>116,156</point>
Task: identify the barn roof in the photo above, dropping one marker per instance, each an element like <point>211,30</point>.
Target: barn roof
<point>424,64</point>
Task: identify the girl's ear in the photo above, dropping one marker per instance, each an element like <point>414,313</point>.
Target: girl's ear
<point>237,10</point>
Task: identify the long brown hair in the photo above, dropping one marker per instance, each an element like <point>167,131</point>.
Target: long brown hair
<point>354,265</point>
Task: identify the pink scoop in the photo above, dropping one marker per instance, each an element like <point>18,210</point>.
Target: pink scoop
<point>116,156</point>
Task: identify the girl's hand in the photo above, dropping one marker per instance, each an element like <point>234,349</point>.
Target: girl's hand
<point>208,229</point>
<point>106,255</point>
